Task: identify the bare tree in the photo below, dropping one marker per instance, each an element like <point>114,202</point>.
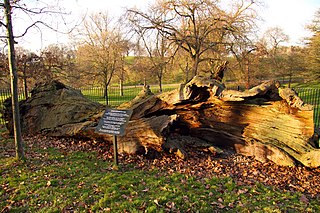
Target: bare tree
<point>242,51</point>
<point>101,49</point>
<point>200,27</point>
<point>23,60</point>
<point>142,69</point>
<point>9,39</point>
<point>57,62</point>
<point>273,38</point>
<point>296,64</point>
<point>14,80</point>
<point>122,71</point>
<point>159,51</point>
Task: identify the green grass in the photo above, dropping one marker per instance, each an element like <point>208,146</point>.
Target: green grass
<point>115,99</point>
<point>52,180</point>
<point>314,85</point>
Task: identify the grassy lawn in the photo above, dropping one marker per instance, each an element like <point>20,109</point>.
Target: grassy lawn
<point>56,179</point>
<point>314,85</point>
<point>129,92</point>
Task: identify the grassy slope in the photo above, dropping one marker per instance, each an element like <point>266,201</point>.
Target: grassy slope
<point>314,85</point>
<point>53,180</point>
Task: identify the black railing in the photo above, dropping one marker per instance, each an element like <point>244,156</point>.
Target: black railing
<point>4,94</point>
<point>311,96</point>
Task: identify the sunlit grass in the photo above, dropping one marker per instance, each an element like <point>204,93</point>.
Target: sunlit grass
<point>55,180</point>
<point>314,85</point>
<point>115,98</point>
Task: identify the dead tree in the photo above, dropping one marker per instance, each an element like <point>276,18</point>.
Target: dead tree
<point>267,122</point>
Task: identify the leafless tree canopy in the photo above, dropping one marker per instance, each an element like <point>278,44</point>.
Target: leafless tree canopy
<point>203,28</point>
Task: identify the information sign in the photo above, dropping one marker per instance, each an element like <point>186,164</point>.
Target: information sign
<point>114,121</point>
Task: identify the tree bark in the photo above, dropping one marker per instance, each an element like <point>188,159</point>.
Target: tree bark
<point>106,94</point>
<point>195,64</point>
<point>121,86</point>
<point>24,78</point>
<point>267,121</point>
<point>14,83</point>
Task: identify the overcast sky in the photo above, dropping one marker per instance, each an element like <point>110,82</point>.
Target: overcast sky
<point>290,15</point>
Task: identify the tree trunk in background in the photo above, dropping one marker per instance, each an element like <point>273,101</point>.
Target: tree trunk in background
<point>247,67</point>
<point>144,82</point>
<point>24,78</point>
<point>160,83</point>
<point>14,83</point>
<point>195,64</point>
<point>187,71</point>
<point>121,87</point>
<point>290,79</point>
<point>106,95</point>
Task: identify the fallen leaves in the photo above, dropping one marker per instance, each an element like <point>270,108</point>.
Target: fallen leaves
<point>304,199</point>
<point>219,203</point>
<point>243,170</point>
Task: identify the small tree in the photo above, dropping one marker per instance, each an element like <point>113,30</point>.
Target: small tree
<point>101,49</point>
<point>159,52</point>
<point>14,81</point>
<point>7,6</point>
<point>274,37</point>
<point>26,61</point>
<point>202,28</point>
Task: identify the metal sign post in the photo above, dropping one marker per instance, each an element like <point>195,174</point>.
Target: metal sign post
<point>115,150</point>
<point>113,122</point>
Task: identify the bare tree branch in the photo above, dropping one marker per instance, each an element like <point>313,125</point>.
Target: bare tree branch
<point>37,11</point>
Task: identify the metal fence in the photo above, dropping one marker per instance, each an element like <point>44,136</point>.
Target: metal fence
<point>117,96</point>
<point>311,96</point>
<point>4,94</point>
<point>308,95</point>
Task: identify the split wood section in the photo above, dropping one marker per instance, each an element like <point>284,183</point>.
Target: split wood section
<point>267,122</point>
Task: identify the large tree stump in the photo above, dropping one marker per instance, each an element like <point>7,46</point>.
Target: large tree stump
<point>267,122</point>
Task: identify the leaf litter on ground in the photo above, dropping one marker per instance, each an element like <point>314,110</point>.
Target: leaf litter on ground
<point>201,164</point>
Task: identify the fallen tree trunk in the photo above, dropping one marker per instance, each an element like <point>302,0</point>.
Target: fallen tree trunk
<point>258,122</point>
<point>267,122</point>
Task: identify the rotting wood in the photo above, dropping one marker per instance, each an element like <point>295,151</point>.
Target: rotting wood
<point>267,122</point>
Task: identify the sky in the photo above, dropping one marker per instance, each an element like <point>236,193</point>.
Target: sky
<point>290,15</point>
